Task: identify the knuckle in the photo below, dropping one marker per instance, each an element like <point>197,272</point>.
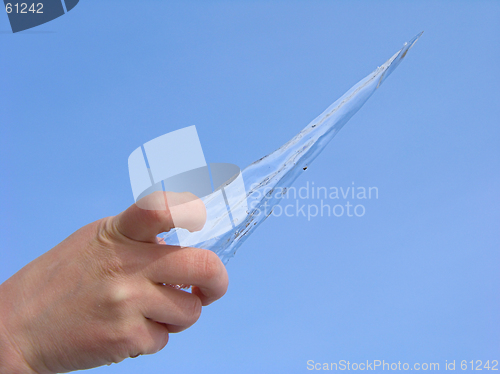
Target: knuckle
<point>120,296</point>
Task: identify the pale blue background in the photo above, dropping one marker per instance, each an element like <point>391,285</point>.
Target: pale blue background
<point>414,280</point>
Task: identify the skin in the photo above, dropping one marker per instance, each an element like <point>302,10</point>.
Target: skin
<point>105,293</point>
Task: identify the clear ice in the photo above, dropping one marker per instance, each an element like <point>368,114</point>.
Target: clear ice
<point>267,179</point>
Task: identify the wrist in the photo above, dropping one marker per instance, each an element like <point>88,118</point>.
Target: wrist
<point>12,360</point>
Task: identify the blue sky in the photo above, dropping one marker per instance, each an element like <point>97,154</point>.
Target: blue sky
<point>414,280</point>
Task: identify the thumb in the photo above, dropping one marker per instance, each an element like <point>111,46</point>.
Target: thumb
<point>160,212</point>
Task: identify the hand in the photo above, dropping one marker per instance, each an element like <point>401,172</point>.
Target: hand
<point>103,294</point>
